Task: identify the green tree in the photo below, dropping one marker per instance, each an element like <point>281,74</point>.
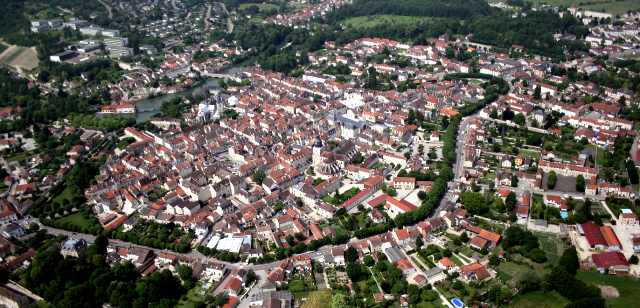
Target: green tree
<point>519,119</point>
<point>354,270</point>
<point>464,237</point>
<point>494,260</point>
<point>351,254</point>
<point>369,261</point>
<point>510,202</point>
<point>551,182</point>
<point>580,183</point>
<point>514,181</point>
<point>34,226</point>
<point>258,177</point>
<point>290,239</point>
<point>185,272</point>
<point>340,301</point>
<point>570,260</point>
<point>251,276</point>
<point>529,281</point>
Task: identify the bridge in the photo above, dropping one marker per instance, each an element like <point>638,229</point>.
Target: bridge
<point>217,75</point>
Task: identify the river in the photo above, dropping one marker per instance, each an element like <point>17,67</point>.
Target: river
<point>156,102</point>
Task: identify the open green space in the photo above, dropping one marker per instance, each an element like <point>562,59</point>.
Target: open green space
<point>318,299</point>
<point>261,6</point>
<point>65,194</point>
<point>532,154</point>
<point>374,20</point>
<point>628,287</point>
<point>538,299</point>
<point>192,298</point>
<point>75,219</point>
<point>504,277</point>
<point>456,261</point>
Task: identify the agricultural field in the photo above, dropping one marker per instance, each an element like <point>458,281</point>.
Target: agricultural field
<point>20,57</point>
<point>318,299</point>
<point>374,20</point>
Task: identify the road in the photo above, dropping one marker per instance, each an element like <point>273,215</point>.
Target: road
<point>108,8</point>
<point>229,22</point>
<point>206,18</point>
<point>193,254</point>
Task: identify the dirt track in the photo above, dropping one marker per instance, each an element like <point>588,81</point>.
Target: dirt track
<point>20,57</point>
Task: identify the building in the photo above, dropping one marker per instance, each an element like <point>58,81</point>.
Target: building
<point>39,26</point>
<point>600,238</point>
<point>406,266</point>
<point>474,271</point>
<point>8,214</point>
<point>118,51</point>
<point>404,183</point>
<point>115,42</point>
<point>63,56</point>
<point>73,248</point>
<point>614,261</point>
<point>76,24</point>
<point>11,298</point>
<point>627,217</point>
<point>91,31</point>
<point>12,230</point>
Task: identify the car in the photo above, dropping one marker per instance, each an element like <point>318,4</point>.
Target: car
<point>304,299</point>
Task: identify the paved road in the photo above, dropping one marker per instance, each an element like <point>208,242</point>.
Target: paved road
<point>108,8</point>
<point>229,22</point>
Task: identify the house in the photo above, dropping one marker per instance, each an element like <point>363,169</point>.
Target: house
<point>432,272</point>
<point>406,266</point>
<point>435,136</point>
<point>73,248</point>
<point>404,183</point>
<point>12,298</point>
<point>446,264</point>
<point>214,270</point>
<point>474,271</point>
<point>614,261</point>
<point>478,242</point>
<point>234,286</point>
<point>627,217</point>
<point>506,162</point>
<point>376,216</point>
<point>12,230</point>
<point>420,280</point>
<point>338,255</point>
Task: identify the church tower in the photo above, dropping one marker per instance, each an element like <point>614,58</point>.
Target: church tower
<point>317,151</point>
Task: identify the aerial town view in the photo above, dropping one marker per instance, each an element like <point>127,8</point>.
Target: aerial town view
<point>319,153</point>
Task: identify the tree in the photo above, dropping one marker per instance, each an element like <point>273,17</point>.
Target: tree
<point>580,183</point>
<point>633,259</point>
<point>419,242</point>
<point>537,93</point>
<point>299,202</point>
<point>369,261</point>
<point>185,272</point>
<point>290,239</point>
<point>510,202</point>
<point>251,276</point>
<point>537,255</point>
<point>551,182</point>
<point>422,195</point>
<point>221,299</point>
<point>597,219</point>
<point>259,176</point>
<point>519,119</point>
<point>529,281</point>
<point>570,260</point>
<point>354,270</point>
<point>34,226</point>
<point>351,255</point>
<point>514,181</point>
<point>299,236</point>
<point>464,237</point>
<point>494,260</point>
<point>339,300</point>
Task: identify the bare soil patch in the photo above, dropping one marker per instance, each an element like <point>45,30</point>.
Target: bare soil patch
<point>609,292</point>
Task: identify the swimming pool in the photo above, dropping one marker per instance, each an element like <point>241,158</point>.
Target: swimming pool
<point>456,302</point>
<point>564,214</point>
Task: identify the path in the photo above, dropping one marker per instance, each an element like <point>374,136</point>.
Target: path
<point>376,280</point>
<point>206,18</point>
<point>65,10</point>
<point>108,8</point>
<point>606,207</point>
<point>229,22</point>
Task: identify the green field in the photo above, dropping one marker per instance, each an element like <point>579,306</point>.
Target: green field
<point>262,6</point>
<point>628,288</point>
<point>614,7</point>
<point>538,299</point>
<point>318,299</point>
<point>532,154</point>
<point>3,47</point>
<point>504,277</point>
<point>75,219</point>
<point>193,297</point>
<point>65,194</point>
<point>374,20</point>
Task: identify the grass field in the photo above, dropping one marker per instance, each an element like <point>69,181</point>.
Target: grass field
<point>192,298</point>
<point>262,6</point>
<point>538,299</point>
<point>75,219</point>
<point>374,20</point>
<point>628,288</point>
<point>65,194</point>
<point>614,7</point>
<point>456,261</point>
<point>532,154</point>
<point>318,299</point>
<point>504,277</point>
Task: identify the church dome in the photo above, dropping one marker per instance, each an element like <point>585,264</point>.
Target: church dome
<point>317,143</point>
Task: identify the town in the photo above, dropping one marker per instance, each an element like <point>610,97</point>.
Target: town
<point>185,169</point>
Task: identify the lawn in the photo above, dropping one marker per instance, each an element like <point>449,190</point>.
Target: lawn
<point>538,299</point>
<point>512,269</point>
<point>374,20</point>
<point>193,296</point>
<point>75,219</point>
<point>456,260</point>
<point>628,287</point>
<point>532,154</point>
<point>261,6</point>
<point>318,299</point>
<point>65,194</point>
<point>504,277</point>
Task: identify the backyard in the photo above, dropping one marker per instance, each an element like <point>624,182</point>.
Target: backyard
<point>193,296</point>
<point>318,299</point>
<point>628,287</point>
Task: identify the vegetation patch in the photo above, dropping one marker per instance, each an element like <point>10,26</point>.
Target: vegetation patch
<point>537,299</point>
